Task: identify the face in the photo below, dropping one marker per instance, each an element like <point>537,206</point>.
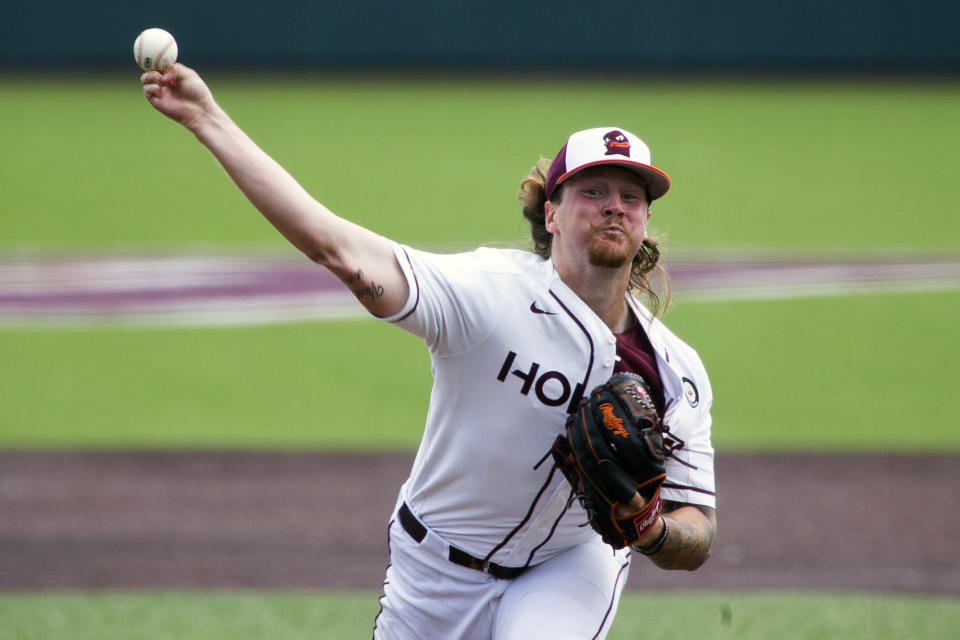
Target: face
<point>602,217</point>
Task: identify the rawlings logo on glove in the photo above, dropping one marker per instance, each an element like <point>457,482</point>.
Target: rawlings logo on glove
<point>611,421</point>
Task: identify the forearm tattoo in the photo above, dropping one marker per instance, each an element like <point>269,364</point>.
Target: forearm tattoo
<point>688,544</point>
<point>371,290</point>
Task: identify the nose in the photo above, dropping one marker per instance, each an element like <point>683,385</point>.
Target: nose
<point>614,206</point>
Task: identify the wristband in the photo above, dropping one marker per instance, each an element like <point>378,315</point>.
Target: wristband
<point>656,546</point>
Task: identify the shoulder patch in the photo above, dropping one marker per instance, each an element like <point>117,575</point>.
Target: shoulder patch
<point>690,392</point>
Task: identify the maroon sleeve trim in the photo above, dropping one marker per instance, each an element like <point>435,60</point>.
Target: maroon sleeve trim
<point>416,283</point>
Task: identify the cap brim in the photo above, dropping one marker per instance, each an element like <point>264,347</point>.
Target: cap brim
<point>657,182</point>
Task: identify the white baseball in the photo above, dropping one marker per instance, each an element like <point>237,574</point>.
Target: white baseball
<point>155,50</point>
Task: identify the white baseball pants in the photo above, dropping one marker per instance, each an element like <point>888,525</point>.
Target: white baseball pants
<point>427,597</point>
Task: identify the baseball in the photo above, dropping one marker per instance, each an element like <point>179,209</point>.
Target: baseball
<point>155,50</point>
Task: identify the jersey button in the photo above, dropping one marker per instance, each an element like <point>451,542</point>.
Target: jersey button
<point>608,362</point>
<point>612,339</point>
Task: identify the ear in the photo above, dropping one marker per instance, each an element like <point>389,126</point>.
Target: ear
<point>550,216</point>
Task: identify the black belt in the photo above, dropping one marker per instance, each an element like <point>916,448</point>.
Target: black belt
<point>457,556</point>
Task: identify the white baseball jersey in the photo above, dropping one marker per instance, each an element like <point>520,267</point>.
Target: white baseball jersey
<point>513,350</point>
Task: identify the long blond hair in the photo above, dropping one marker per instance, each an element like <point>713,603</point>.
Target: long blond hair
<point>646,266</point>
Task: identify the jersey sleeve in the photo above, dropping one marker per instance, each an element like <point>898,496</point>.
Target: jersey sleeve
<point>453,302</point>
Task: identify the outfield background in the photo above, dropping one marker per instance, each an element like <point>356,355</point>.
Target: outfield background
<point>821,164</point>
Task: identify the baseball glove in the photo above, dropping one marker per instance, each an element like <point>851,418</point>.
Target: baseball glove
<point>613,448</point>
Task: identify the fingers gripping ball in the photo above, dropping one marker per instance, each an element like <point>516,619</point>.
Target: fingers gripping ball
<point>612,449</point>
<point>155,50</point>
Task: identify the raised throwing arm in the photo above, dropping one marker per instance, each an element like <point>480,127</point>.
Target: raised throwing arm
<point>360,258</point>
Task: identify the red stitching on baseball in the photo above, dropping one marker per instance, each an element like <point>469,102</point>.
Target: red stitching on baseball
<point>160,54</point>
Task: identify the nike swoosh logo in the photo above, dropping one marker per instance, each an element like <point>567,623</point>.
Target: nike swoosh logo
<point>536,309</point>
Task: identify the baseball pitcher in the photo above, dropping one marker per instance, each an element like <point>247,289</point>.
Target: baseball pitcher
<point>568,431</point>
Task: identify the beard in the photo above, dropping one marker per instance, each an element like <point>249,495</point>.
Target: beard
<point>602,253</point>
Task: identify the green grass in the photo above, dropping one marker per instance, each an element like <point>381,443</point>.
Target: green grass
<point>846,373</point>
<point>182,615</point>
<point>336,384</point>
<point>776,165</point>
<point>785,164</point>
<point>342,616</point>
<point>853,373</point>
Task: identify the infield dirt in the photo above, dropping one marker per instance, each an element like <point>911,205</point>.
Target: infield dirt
<point>118,520</point>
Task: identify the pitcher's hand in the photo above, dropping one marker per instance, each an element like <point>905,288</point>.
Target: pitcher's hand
<point>178,93</point>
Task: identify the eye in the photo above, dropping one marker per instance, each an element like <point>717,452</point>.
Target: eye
<point>633,196</point>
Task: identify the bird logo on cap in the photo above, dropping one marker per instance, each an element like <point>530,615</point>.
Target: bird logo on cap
<point>616,143</point>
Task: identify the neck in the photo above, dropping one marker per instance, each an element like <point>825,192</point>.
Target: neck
<point>604,290</point>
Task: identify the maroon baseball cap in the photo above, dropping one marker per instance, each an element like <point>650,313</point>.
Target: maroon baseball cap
<point>606,146</point>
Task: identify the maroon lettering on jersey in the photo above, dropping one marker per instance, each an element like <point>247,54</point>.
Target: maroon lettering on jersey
<point>637,356</point>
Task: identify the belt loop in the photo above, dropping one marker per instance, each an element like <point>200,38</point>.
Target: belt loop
<point>410,523</point>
